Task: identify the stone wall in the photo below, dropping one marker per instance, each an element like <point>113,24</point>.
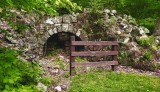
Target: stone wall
<point>31,42</point>
<point>52,25</point>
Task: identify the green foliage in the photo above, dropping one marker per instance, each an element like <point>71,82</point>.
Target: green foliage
<point>60,62</point>
<point>17,75</point>
<point>37,8</point>
<point>148,56</point>
<point>46,80</point>
<point>114,82</point>
<point>126,58</point>
<point>80,59</point>
<point>66,74</point>
<point>147,41</point>
<point>55,51</point>
<point>149,23</point>
<point>145,11</point>
<point>56,79</point>
<point>50,7</point>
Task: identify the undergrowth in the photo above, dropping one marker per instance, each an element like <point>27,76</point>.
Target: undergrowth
<point>17,75</point>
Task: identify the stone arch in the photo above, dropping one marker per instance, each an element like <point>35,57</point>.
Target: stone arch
<point>61,24</point>
<point>60,40</point>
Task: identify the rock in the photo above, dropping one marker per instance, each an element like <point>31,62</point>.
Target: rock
<point>126,40</point>
<point>141,31</point>
<point>66,18</point>
<point>49,21</point>
<point>113,11</point>
<point>54,30</point>
<point>65,27</point>
<point>64,87</point>
<point>88,68</point>
<point>58,88</point>
<point>1,35</point>
<point>55,71</point>
<point>118,32</point>
<point>78,32</point>
<point>57,20</point>
<point>50,31</point>
<point>70,28</point>
<point>107,11</point>
<point>41,87</point>
<point>59,27</point>
<point>73,19</point>
<point>11,40</point>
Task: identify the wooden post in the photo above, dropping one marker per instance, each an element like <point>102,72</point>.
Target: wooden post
<point>114,57</point>
<point>72,58</point>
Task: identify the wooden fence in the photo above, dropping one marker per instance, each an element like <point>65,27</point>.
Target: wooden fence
<point>74,53</point>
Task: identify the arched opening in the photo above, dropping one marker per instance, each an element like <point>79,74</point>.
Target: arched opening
<point>60,40</point>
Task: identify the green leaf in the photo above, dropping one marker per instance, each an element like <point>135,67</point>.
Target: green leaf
<point>1,9</point>
<point>5,80</point>
<point>11,81</point>
<point>7,86</point>
<point>9,2</point>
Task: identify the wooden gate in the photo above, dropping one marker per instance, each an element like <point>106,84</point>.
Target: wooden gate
<point>73,54</point>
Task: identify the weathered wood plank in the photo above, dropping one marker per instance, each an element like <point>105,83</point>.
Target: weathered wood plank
<point>72,58</point>
<point>114,57</point>
<point>94,53</point>
<point>94,43</point>
<point>89,64</point>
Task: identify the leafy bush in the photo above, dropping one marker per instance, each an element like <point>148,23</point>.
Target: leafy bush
<point>146,41</point>
<point>46,80</point>
<point>145,11</point>
<point>148,56</point>
<point>15,74</point>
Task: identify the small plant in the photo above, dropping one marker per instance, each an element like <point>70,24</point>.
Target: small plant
<point>46,80</point>
<point>56,79</point>
<point>146,41</point>
<point>79,59</point>
<point>54,52</point>
<point>148,56</point>
<point>60,62</point>
<point>15,74</point>
<point>66,74</point>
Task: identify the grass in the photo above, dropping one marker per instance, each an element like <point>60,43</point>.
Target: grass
<point>104,81</point>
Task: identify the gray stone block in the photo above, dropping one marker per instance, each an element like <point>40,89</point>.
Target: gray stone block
<point>65,27</point>
<point>73,19</point>
<point>49,21</point>
<point>59,27</point>
<point>66,18</point>
<point>57,20</point>
<point>78,33</point>
<point>74,30</point>
<point>54,30</point>
<point>50,31</point>
<point>70,28</point>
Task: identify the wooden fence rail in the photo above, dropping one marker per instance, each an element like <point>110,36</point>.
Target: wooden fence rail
<point>73,54</point>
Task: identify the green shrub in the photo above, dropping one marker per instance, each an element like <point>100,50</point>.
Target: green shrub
<point>15,74</point>
<point>146,12</point>
<point>148,56</point>
<point>146,41</point>
<point>46,80</point>
<point>126,58</point>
